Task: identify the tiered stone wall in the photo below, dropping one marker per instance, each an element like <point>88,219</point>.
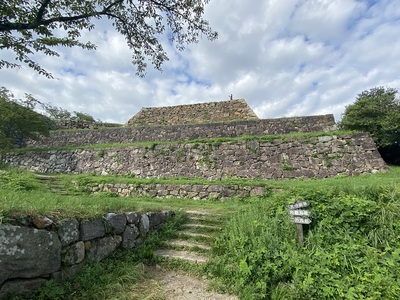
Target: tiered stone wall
<point>307,157</point>
<point>40,249</point>
<point>211,112</point>
<point>321,123</point>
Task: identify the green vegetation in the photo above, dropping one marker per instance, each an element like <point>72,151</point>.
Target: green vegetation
<point>18,121</point>
<point>390,177</point>
<point>377,111</point>
<point>59,113</point>
<point>23,194</point>
<point>350,250</point>
<point>285,166</point>
<point>29,27</point>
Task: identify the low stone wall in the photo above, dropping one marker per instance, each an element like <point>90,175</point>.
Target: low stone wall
<point>33,251</point>
<point>306,157</point>
<point>322,123</point>
<point>72,124</point>
<point>190,191</point>
<point>210,112</point>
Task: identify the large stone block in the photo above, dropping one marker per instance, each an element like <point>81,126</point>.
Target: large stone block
<point>116,223</point>
<point>155,219</point>
<point>99,249</point>
<point>91,229</point>
<point>74,254</point>
<point>144,225</point>
<point>27,252</point>
<point>129,236</point>
<point>68,231</point>
<point>133,218</point>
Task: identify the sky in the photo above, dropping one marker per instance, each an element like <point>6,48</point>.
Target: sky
<point>284,57</point>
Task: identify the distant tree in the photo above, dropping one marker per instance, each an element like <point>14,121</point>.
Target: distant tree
<point>19,121</point>
<point>28,26</point>
<point>59,113</point>
<point>56,113</point>
<point>83,117</point>
<point>378,112</point>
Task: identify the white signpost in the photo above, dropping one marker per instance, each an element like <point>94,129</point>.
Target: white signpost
<point>299,216</point>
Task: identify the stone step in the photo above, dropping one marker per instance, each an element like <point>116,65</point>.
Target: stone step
<point>44,176</point>
<point>54,185</point>
<point>196,225</point>
<point>201,213</point>
<point>188,256</point>
<point>195,234</point>
<point>212,218</point>
<point>209,231</point>
<point>188,244</point>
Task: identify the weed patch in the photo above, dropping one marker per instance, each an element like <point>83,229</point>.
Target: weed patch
<point>349,252</point>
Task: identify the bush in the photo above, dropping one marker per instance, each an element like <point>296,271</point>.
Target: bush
<point>351,249</point>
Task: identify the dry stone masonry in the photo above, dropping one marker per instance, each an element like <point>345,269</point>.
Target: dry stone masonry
<point>186,132</point>
<point>211,112</point>
<point>189,191</point>
<point>34,250</point>
<point>280,158</point>
<point>172,150</point>
<point>66,124</point>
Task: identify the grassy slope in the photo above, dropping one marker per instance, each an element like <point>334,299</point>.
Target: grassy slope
<point>334,248</point>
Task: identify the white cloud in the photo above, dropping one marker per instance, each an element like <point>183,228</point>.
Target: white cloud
<point>325,20</point>
<point>284,57</point>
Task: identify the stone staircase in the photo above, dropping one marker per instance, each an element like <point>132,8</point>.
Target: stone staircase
<point>194,240</point>
<point>54,184</point>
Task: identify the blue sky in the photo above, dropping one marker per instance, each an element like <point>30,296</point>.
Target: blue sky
<point>286,58</point>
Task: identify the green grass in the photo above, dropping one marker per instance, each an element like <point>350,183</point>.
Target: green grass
<point>23,194</point>
<point>351,248</point>
<point>392,176</point>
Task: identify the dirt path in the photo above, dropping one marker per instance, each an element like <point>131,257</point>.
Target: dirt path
<point>172,285</point>
<point>191,246</point>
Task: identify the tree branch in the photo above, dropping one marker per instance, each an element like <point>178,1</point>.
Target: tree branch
<point>105,10</point>
<point>41,11</point>
<point>39,21</point>
<point>27,26</point>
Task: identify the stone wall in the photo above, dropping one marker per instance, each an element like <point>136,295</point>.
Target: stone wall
<point>306,157</point>
<point>190,191</point>
<point>321,123</point>
<point>73,124</point>
<point>211,112</point>
<point>33,250</point>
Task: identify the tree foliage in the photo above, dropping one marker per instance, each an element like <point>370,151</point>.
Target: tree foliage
<point>378,112</point>
<point>59,113</point>
<point>18,121</point>
<point>28,26</point>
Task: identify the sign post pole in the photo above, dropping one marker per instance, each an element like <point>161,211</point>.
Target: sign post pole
<point>300,237</point>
